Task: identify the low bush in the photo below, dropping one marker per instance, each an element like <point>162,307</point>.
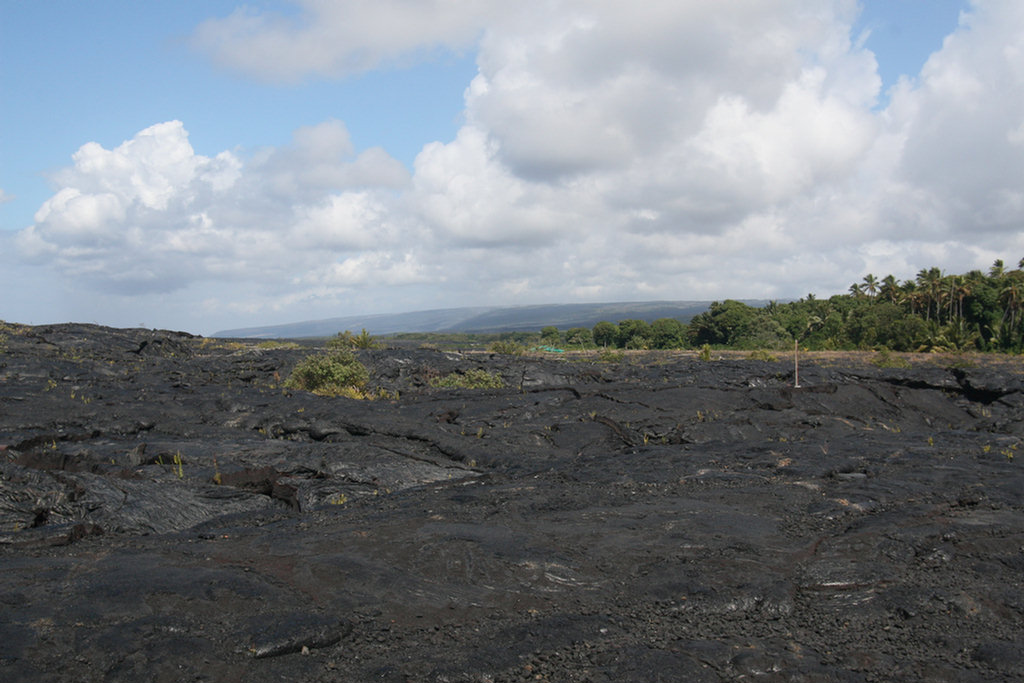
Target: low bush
<point>761,354</point>
<point>335,373</point>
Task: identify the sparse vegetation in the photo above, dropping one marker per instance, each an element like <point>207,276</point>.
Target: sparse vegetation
<point>885,359</point>
<point>761,354</point>
<point>1010,452</point>
<point>213,343</point>
<point>476,378</point>
<point>6,330</point>
<point>274,344</point>
<point>961,362</point>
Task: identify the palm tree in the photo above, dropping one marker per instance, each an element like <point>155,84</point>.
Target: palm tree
<point>922,286</point>
<point>871,285</point>
<point>856,291</point>
<point>934,340</point>
<point>975,276</point>
<point>930,281</point>
<point>997,270</point>
<point>964,288</point>
<point>960,337</point>
<point>1011,296</point>
<point>953,284</point>
<point>999,335</point>
<point>911,296</point>
<point>813,323</point>
<point>890,289</point>
<point>941,294</point>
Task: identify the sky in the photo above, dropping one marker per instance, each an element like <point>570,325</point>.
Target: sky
<point>206,164</point>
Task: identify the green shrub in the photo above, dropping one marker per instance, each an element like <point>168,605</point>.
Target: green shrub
<point>705,352</point>
<point>471,379</point>
<point>507,348</point>
<point>761,354</point>
<point>335,373</point>
<point>609,356</point>
<point>347,340</point>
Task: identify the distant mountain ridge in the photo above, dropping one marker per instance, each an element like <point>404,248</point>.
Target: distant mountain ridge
<point>484,319</point>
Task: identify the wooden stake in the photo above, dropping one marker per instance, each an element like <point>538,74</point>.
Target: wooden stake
<point>796,364</point>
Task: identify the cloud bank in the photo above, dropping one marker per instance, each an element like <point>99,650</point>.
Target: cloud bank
<point>682,150</point>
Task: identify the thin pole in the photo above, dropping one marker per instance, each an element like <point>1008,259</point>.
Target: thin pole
<point>796,363</point>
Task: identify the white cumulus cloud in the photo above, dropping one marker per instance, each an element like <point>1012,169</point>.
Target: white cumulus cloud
<point>672,149</point>
<point>152,215</point>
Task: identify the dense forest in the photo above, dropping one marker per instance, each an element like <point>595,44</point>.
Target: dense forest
<point>933,312</point>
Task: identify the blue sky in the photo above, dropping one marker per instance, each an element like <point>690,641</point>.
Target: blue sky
<point>904,33</point>
<point>76,72</point>
<point>204,165</point>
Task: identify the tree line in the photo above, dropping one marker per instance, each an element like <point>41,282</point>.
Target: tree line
<point>932,312</point>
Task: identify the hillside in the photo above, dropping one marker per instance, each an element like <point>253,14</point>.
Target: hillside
<point>482,319</point>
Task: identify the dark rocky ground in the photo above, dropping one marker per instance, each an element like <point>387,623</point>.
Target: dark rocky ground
<point>658,519</point>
